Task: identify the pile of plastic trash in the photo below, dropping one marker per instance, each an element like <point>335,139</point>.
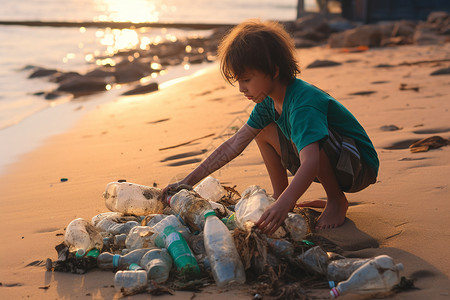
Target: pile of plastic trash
<point>155,242</point>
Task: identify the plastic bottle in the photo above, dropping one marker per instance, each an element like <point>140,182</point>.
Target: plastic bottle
<point>210,189</point>
<point>109,261</point>
<point>190,208</point>
<point>168,221</point>
<point>250,208</point>
<point>107,225</point>
<point>226,264</point>
<point>140,237</point>
<point>178,248</point>
<point>281,247</point>
<point>151,220</point>
<point>296,226</point>
<point>131,198</point>
<point>341,269</point>
<point>378,275</point>
<point>119,240</point>
<point>81,237</point>
<point>130,282</point>
<point>315,259</point>
<point>113,216</point>
<point>157,263</point>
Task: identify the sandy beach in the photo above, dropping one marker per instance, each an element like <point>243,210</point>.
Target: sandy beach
<point>406,214</point>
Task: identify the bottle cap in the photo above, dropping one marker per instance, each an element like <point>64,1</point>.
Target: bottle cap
<point>93,253</point>
<point>334,293</point>
<point>209,213</point>
<point>80,253</point>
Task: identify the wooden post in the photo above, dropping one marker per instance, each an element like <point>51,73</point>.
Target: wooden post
<point>300,8</point>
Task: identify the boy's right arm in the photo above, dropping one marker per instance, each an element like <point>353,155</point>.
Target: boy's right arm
<point>225,153</point>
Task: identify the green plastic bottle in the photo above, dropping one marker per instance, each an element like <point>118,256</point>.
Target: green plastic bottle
<point>179,250</point>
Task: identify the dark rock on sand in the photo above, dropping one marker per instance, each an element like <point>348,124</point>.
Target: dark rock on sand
<point>42,72</point>
<point>83,86</point>
<point>142,89</point>
<point>366,35</point>
<point>131,71</point>
<point>444,71</point>
<point>323,63</point>
<point>63,76</point>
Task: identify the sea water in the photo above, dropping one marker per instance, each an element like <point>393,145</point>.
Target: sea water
<point>26,119</point>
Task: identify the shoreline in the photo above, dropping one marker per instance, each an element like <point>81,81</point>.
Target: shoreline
<point>57,118</point>
<point>402,215</point>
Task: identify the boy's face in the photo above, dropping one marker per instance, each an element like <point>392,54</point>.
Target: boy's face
<point>255,85</point>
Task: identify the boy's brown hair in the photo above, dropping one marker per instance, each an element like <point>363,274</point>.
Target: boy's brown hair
<point>262,46</point>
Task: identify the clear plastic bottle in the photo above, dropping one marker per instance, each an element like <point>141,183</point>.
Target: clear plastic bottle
<point>226,264</point>
<point>250,208</point>
<point>131,282</point>
<point>157,263</point>
<point>119,240</point>
<point>378,275</point>
<point>178,248</point>
<point>281,247</point>
<point>109,261</point>
<point>187,205</point>
<point>134,199</point>
<point>341,269</point>
<point>113,216</point>
<point>81,237</point>
<point>107,225</point>
<point>296,226</point>
<point>210,189</point>
<point>140,237</point>
<point>168,221</point>
<point>315,259</point>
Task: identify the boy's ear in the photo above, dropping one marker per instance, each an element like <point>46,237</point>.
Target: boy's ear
<point>277,72</point>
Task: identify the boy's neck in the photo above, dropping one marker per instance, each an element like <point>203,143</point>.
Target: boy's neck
<point>277,95</point>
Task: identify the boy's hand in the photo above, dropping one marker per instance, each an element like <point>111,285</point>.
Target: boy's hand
<point>273,217</point>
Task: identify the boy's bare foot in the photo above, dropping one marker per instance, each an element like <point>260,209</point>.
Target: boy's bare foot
<point>313,203</point>
<point>334,214</point>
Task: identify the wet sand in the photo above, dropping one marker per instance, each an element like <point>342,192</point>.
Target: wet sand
<point>159,137</point>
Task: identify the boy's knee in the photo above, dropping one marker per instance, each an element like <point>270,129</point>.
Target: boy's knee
<point>267,134</point>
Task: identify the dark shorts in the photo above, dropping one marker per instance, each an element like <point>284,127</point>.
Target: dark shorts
<point>351,172</point>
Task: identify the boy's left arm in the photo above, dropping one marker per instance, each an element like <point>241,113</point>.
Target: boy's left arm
<point>277,212</point>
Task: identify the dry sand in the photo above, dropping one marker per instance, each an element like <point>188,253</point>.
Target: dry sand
<point>406,214</point>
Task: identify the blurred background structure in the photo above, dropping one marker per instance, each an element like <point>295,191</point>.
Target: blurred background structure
<point>371,11</point>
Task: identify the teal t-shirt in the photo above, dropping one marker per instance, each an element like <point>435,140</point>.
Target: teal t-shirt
<point>307,114</point>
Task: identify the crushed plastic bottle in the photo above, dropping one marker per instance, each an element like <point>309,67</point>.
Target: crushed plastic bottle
<point>226,264</point>
<point>315,259</point>
<point>168,221</point>
<point>119,240</point>
<point>151,220</point>
<point>190,208</point>
<point>107,225</point>
<point>140,237</point>
<point>281,247</point>
<point>250,208</point>
<point>341,269</point>
<point>210,189</point>
<point>130,282</point>
<point>81,237</point>
<point>182,255</point>
<point>113,216</point>
<point>157,263</point>
<point>109,261</point>
<point>134,199</point>
<point>376,276</point>
<point>297,227</point>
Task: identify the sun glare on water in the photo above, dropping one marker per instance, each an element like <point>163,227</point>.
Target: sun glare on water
<point>135,11</point>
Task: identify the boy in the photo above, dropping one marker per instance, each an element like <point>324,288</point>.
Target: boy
<point>297,127</point>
